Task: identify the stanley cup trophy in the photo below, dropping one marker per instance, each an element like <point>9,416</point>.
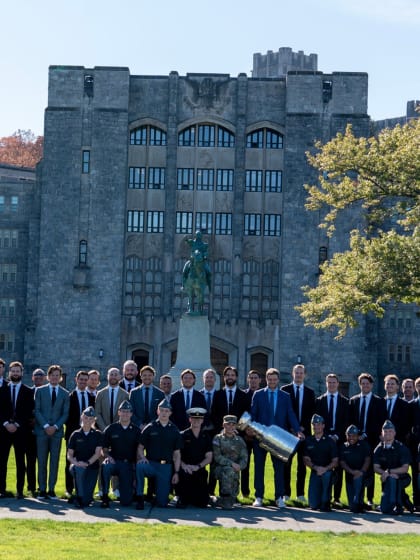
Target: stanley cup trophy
<point>273,439</point>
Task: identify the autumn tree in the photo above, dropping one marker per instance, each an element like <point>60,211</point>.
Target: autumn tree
<point>379,176</point>
<point>22,148</point>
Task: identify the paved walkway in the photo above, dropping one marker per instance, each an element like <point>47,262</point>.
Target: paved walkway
<point>294,519</point>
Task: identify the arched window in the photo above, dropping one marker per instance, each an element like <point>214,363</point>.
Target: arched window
<point>148,135</point>
<point>206,135</point>
<point>264,138</point>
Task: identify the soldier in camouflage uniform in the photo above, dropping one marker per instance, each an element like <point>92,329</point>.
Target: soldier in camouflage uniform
<point>230,457</point>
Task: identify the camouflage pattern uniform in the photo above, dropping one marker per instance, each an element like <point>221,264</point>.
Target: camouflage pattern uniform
<point>228,450</point>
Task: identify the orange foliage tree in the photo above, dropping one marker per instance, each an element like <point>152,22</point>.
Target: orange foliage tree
<point>22,148</point>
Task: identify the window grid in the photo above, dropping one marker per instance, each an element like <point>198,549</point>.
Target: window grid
<point>86,161</point>
<point>224,181</point>
<point>204,222</point>
<point>273,181</point>
<point>8,272</point>
<point>7,342</point>
<point>7,307</point>
<point>253,180</point>
<point>155,221</point>
<point>205,179</point>
<point>206,136</point>
<point>135,221</point>
<point>184,222</point>
<point>223,223</point>
<point>83,252</point>
<point>9,239</point>
<point>252,224</point>
<point>156,178</point>
<point>185,179</point>
<point>137,178</point>
<point>272,225</point>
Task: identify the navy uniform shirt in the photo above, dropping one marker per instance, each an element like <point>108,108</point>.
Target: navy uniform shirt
<point>122,443</point>
<point>354,455</point>
<point>195,448</point>
<point>161,441</point>
<point>84,445</point>
<point>321,452</point>
<point>392,457</point>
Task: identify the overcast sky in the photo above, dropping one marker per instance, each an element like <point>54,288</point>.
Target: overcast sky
<point>380,37</point>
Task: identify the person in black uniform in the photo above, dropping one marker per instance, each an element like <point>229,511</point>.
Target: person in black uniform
<point>196,453</point>
<point>391,460</point>
<point>83,451</point>
<point>355,460</point>
<point>159,451</point>
<point>321,456</point>
<point>120,446</point>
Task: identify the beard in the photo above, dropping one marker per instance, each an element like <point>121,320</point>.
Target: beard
<point>15,378</point>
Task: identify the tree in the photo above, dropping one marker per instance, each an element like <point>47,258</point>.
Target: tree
<point>23,148</point>
<point>379,177</point>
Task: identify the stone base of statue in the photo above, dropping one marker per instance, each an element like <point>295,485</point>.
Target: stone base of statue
<point>193,348</point>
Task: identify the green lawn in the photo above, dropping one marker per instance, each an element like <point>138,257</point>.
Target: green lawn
<point>26,540</point>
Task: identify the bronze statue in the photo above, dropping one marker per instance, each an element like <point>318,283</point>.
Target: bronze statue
<point>196,275</point>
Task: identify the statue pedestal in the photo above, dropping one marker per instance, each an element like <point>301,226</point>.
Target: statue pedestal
<point>193,349</point>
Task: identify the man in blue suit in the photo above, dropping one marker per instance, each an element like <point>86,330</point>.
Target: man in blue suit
<point>51,412</point>
<point>145,398</point>
<point>271,406</point>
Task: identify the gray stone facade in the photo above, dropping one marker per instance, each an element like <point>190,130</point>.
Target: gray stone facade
<point>133,165</point>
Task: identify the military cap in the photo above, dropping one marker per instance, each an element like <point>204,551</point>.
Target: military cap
<point>352,430</point>
<point>90,412</point>
<point>230,419</point>
<point>388,425</point>
<point>125,405</point>
<point>196,412</point>
<point>39,373</point>
<point>317,419</point>
<point>165,404</point>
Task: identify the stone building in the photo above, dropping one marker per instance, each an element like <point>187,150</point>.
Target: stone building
<point>133,165</point>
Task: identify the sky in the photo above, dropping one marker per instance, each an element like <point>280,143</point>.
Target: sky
<point>380,37</point>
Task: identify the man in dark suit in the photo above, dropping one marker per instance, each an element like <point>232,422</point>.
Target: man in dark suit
<point>39,378</point>
<point>271,406</point>
<point>145,398</point>
<point>367,412</point>
<point>51,412</point>
<point>397,409</point>
<point>303,403</point>
<point>254,383</point>
<point>229,400</point>
<point>80,399</point>
<point>334,408</point>
<point>130,372</point>
<point>3,382</point>
<point>16,414</point>
<point>185,398</point>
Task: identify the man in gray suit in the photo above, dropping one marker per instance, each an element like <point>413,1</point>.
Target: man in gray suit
<point>51,412</point>
<point>112,393</point>
<point>145,398</point>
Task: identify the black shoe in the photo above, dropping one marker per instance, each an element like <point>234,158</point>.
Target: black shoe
<point>325,508</point>
<point>409,506</point>
<point>19,496</point>
<point>139,502</point>
<point>43,495</point>
<point>52,494</point>
<point>105,501</point>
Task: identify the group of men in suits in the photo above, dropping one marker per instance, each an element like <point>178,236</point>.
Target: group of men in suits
<point>50,413</point>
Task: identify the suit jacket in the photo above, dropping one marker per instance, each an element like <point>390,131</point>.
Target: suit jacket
<point>376,415</point>
<point>73,420</point>
<point>401,417</point>
<point>135,384</point>
<point>103,406</point>
<point>137,402</point>
<point>46,413</point>
<point>283,415</point>
<point>24,409</point>
<point>341,415</point>
<point>219,407</point>
<point>179,415</point>
<point>307,408</point>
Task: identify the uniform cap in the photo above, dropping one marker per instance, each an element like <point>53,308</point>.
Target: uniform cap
<point>90,412</point>
<point>125,405</point>
<point>196,412</point>
<point>230,419</point>
<point>165,404</point>
<point>352,430</point>
<point>317,419</point>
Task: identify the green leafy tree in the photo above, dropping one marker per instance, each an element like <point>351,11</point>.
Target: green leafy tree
<point>22,148</point>
<point>379,177</point>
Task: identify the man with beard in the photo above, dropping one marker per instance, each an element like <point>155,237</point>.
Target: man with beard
<point>196,453</point>
<point>229,400</point>
<point>108,400</point>
<point>130,372</point>
<point>145,398</point>
<point>16,415</point>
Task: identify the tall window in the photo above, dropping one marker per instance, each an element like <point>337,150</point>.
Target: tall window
<point>86,161</point>
<point>225,139</point>
<point>135,221</point>
<point>8,272</point>
<point>252,224</point>
<point>133,285</point>
<point>204,222</point>
<point>7,341</point>
<point>205,179</point>
<point>250,288</point>
<point>14,203</point>
<point>137,178</point>
<point>223,223</point>
<point>399,353</point>
<point>264,138</point>
<point>83,252</point>
<point>273,181</point>
<point>185,179</point>
<point>138,137</point>
<point>272,225</point>
<point>9,238</point>
<point>2,203</point>
<point>187,137</point>
<point>7,307</point>
<point>153,286</point>
<point>184,222</point>
<point>253,180</point>
<point>157,136</point>
<point>206,135</point>
<point>224,180</point>
<point>270,290</point>
<point>156,179</point>
<point>155,221</point>
<point>221,287</point>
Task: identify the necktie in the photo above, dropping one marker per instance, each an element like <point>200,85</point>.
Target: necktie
<point>331,413</point>
<point>208,400</point>
<point>297,398</point>
<point>187,401</point>
<point>146,405</point>
<point>363,414</point>
<point>389,407</point>
<point>271,407</point>
<point>230,403</point>
<point>54,396</point>
<point>111,407</point>
<point>130,386</point>
<point>14,398</point>
<point>83,400</point>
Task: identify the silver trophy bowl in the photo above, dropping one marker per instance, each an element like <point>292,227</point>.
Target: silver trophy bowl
<point>273,439</point>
